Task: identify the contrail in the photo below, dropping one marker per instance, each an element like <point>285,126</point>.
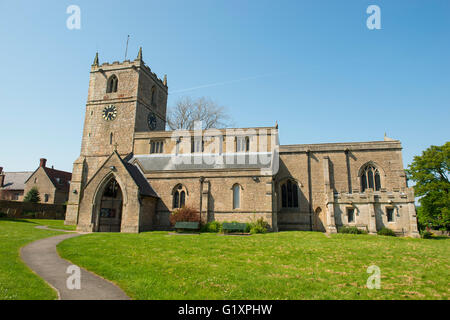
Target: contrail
<point>221,83</point>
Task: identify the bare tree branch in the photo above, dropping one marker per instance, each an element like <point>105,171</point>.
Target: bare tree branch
<point>187,111</point>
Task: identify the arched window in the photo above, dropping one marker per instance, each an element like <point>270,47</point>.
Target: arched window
<point>111,85</point>
<point>179,196</point>
<point>236,196</point>
<point>289,194</point>
<point>153,99</point>
<point>242,144</point>
<point>370,178</point>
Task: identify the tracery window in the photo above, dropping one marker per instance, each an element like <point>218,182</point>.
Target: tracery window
<point>289,194</point>
<point>370,178</point>
<point>179,196</point>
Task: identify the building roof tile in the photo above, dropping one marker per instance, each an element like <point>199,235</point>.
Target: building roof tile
<point>15,180</point>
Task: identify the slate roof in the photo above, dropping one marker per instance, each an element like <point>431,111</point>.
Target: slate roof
<point>145,188</point>
<point>63,176</point>
<point>15,180</point>
<point>182,162</point>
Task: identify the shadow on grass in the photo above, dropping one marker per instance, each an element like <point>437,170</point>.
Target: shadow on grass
<point>17,220</point>
<point>438,238</point>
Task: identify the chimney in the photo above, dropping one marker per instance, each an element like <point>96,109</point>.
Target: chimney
<point>42,162</point>
<point>2,177</point>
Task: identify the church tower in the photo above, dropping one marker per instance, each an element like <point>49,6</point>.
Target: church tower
<point>123,98</point>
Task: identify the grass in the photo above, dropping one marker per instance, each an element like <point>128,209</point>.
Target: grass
<point>52,224</point>
<point>287,265</point>
<point>17,281</point>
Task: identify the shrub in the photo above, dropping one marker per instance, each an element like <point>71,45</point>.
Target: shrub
<point>259,226</point>
<point>32,196</point>
<point>213,227</point>
<point>386,232</point>
<point>427,235</point>
<point>29,214</point>
<point>351,230</point>
<point>3,215</point>
<point>185,214</point>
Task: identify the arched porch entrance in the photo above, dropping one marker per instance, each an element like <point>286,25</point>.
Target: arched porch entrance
<point>109,214</point>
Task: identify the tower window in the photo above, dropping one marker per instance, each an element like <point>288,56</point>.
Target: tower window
<point>370,178</point>
<point>153,97</point>
<point>111,138</point>
<point>112,83</point>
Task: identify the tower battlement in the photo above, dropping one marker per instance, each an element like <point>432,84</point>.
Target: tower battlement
<point>137,64</point>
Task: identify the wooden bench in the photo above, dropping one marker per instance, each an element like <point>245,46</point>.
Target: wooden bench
<point>233,227</point>
<point>192,226</point>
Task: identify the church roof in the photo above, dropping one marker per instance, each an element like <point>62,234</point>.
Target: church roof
<point>15,180</point>
<point>194,162</point>
<point>144,187</point>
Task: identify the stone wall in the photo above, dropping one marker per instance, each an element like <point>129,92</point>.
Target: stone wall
<point>15,209</point>
<point>217,195</point>
<point>328,179</point>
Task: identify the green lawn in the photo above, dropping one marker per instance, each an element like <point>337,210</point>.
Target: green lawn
<point>52,224</point>
<point>287,265</point>
<point>17,281</point>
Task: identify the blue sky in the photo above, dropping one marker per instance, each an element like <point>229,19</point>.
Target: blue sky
<point>313,66</point>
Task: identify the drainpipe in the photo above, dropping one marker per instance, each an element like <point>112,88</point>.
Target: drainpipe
<point>308,152</point>
<point>202,180</point>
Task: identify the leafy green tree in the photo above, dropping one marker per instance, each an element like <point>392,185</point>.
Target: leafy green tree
<point>32,196</point>
<point>430,172</point>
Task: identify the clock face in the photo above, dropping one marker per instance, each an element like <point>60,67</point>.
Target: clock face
<point>110,112</point>
<point>151,121</point>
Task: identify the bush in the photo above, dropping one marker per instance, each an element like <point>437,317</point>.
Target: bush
<point>32,196</point>
<point>185,214</point>
<point>259,226</point>
<point>427,235</point>
<point>3,215</point>
<point>29,214</point>
<point>386,232</point>
<point>351,230</point>
<point>213,227</point>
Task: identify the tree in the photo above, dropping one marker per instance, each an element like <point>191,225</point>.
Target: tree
<point>32,196</point>
<point>430,172</point>
<point>187,111</point>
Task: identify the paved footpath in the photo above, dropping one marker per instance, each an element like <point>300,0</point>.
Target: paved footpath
<point>42,258</point>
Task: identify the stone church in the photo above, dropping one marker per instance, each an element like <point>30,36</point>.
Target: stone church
<point>132,173</point>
